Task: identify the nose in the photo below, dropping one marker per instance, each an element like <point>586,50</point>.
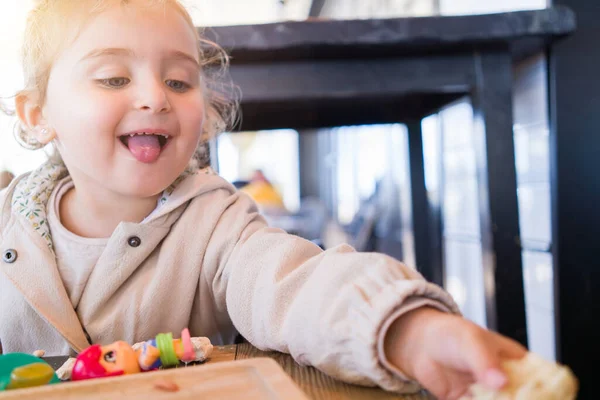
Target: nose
<point>152,97</point>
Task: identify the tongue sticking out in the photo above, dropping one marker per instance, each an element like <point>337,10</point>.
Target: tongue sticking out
<point>145,148</point>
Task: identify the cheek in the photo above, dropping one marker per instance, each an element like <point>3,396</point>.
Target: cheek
<point>84,112</point>
<point>191,117</point>
<point>97,112</point>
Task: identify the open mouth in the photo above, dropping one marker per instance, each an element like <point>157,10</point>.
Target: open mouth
<point>144,146</point>
<point>162,139</point>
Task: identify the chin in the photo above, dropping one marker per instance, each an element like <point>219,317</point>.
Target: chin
<point>141,189</point>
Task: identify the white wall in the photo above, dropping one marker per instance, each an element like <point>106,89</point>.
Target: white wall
<point>12,21</point>
<point>357,9</point>
<point>236,12</point>
<point>456,7</point>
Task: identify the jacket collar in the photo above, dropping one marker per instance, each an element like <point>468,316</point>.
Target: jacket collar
<point>32,192</point>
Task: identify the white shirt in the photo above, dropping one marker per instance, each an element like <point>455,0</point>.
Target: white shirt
<point>76,256</point>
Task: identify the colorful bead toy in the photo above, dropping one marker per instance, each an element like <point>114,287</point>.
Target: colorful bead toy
<point>120,358</point>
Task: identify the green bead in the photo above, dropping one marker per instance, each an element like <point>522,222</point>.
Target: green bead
<point>168,357</point>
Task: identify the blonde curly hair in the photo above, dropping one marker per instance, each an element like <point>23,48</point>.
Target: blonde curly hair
<point>46,35</point>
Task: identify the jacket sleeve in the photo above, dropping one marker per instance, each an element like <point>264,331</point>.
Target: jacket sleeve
<point>329,309</point>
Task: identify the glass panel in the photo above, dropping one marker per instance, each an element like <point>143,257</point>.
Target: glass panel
<point>371,188</point>
<point>537,275</point>
<point>457,126</point>
<point>534,213</point>
<point>461,208</point>
<point>408,249</point>
<point>541,333</point>
<point>459,163</point>
<point>461,202</point>
<point>431,153</point>
<point>532,153</point>
<point>464,278</point>
<point>372,160</point>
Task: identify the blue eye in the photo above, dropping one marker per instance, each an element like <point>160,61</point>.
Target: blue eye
<point>115,83</point>
<point>110,357</point>
<point>178,86</point>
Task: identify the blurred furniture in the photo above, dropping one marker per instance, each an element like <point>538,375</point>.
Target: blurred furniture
<point>308,222</point>
<point>317,74</point>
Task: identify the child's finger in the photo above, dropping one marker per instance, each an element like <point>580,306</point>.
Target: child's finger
<point>484,363</point>
<point>494,379</point>
<point>510,349</point>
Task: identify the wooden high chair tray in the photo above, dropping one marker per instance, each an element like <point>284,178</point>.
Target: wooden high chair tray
<point>257,378</point>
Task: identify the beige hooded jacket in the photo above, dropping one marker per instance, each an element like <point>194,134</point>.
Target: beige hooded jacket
<point>207,261</point>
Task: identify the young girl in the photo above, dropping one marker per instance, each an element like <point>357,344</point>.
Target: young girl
<point>124,235</point>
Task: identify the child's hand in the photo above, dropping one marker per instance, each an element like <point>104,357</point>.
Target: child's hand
<point>446,354</point>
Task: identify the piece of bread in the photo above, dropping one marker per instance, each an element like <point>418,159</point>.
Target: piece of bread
<point>64,372</point>
<point>532,378</point>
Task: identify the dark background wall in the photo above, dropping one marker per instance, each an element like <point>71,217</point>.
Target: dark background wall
<point>575,126</point>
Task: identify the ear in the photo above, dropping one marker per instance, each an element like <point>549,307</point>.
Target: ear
<point>31,117</point>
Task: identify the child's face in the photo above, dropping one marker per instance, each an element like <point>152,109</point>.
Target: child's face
<point>131,70</point>
<point>119,356</point>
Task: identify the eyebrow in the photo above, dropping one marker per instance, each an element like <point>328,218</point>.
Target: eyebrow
<point>173,55</point>
<point>107,52</point>
<point>180,55</point>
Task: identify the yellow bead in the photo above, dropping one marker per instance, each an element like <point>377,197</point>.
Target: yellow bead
<point>31,375</point>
